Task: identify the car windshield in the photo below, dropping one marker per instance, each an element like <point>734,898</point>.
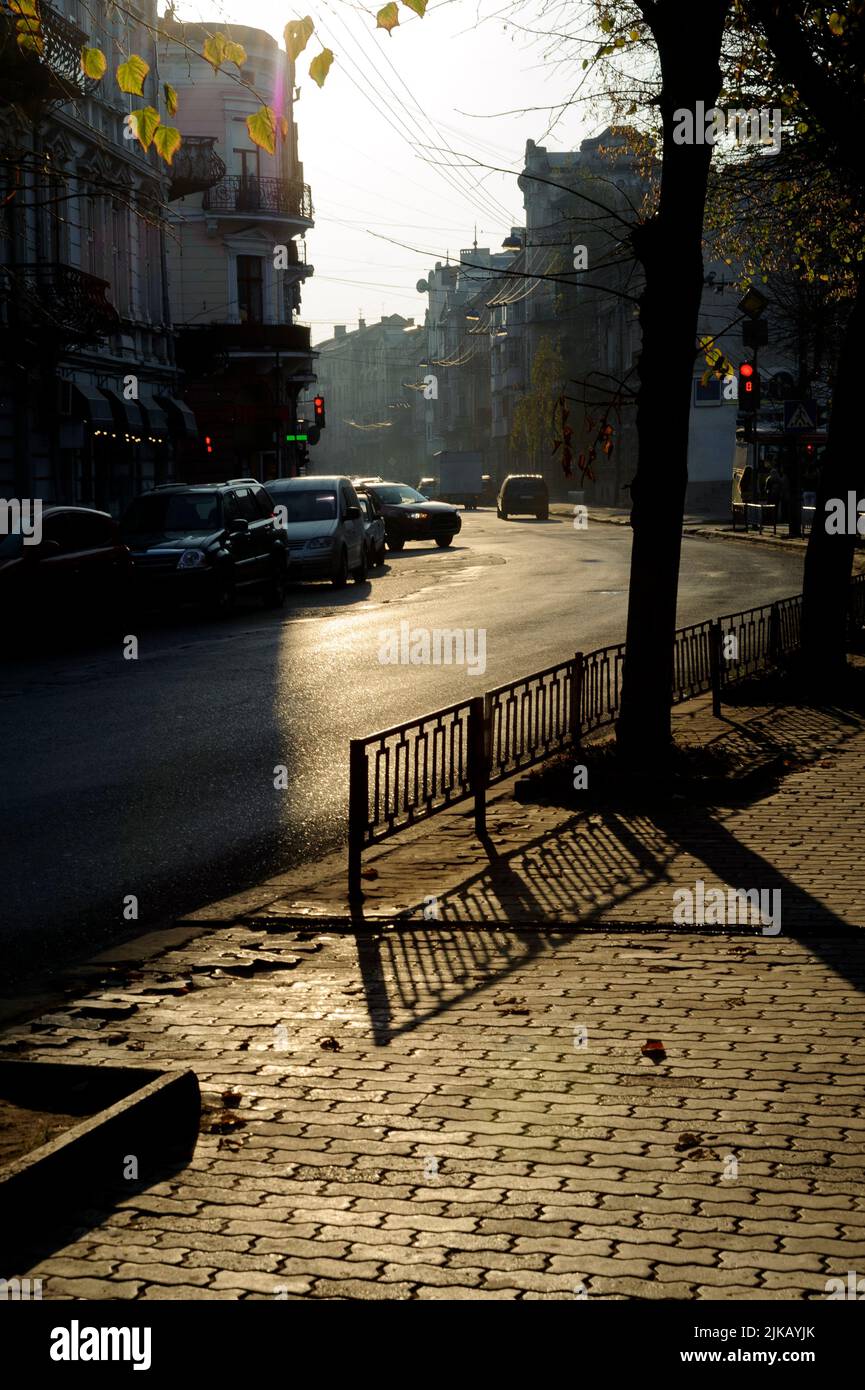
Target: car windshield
<point>305,504</point>
<point>178,514</point>
<point>395,493</point>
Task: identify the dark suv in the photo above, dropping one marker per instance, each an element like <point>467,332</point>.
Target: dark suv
<point>206,543</point>
<point>524,494</point>
<point>409,516</point>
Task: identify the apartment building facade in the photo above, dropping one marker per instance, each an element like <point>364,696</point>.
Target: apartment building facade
<point>372,379</point>
<point>236,257</point>
<point>89,390</point>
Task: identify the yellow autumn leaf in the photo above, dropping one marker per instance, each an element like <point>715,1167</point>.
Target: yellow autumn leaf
<point>387,17</point>
<point>320,66</point>
<point>131,75</point>
<point>29,40</point>
<point>262,128</point>
<point>419,6</point>
<point>170,95</point>
<point>166,141</point>
<point>143,123</point>
<point>234,53</point>
<point>283,127</point>
<point>214,50</point>
<point>24,7</point>
<point>93,63</point>
<point>297,34</point>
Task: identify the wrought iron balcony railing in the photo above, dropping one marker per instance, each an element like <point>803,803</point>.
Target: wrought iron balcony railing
<point>265,196</point>
<point>204,348</point>
<point>58,301</point>
<point>196,166</point>
<point>50,70</point>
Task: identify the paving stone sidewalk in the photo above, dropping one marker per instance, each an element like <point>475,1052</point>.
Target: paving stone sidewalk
<point>463,1108</point>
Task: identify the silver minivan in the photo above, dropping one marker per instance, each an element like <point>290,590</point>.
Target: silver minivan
<point>323,526</point>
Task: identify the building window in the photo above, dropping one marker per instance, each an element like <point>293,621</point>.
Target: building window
<point>250,289</point>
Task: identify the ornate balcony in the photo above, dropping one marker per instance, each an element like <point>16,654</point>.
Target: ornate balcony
<point>196,167</point>
<point>62,303</point>
<point>237,195</point>
<point>30,79</point>
<point>205,348</point>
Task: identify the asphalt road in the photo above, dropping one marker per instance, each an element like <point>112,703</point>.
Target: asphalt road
<point>155,777</point>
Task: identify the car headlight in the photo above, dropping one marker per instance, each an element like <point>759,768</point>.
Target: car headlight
<point>417,516</point>
<point>320,543</point>
<point>192,560</point>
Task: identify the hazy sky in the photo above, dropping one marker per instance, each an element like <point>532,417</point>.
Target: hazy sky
<point>374,140</point>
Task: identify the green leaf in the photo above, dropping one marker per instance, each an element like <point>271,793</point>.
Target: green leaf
<point>143,123</point>
<point>214,50</point>
<point>607,24</point>
<point>388,17</point>
<point>93,63</point>
<point>131,75</point>
<point>234,53</point>
<point>297,34</point>
<point>320,66</point>
<point>166,141</point>
<point>262,128</point>
<point>419,6</point>
<point>170,95</point>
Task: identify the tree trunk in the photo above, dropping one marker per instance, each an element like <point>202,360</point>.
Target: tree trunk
<point>670,249</point>
<point>829,558</point>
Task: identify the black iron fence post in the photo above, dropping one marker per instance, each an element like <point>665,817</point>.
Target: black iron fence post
<point>715,658</point>
<point>480,737</point>
<point>775,652</point>
<point>577,699</point>
<point>358,814</point>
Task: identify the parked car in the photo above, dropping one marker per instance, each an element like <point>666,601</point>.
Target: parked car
<point>373,524</point>
<point>324,528</point>
<point>523,494</point>
<point>205,544</point>
<point>78,576</point>
<point>409,516</point>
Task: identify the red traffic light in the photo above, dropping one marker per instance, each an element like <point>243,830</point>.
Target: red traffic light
<point>208,443</point>
<point>746,369</point>
<point>318,406</point>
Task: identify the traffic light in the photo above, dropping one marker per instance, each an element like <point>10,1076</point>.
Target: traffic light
<point>208,443</point>
<point>749,388</point>
<point>318,411</point>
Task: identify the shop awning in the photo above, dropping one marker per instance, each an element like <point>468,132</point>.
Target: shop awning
<point>91,402</point>
<point>127,415</point>
<point>157,420</point>
<point>180,417</point>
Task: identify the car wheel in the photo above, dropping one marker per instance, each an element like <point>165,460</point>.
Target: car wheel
<point>443,542</point>
<point>543,516</point>
<point>223,598</point>
<point>359,575</point>
<point>379,556</point>
<point>503,515</point>
<point>340,578</point>
<point>395,544</point>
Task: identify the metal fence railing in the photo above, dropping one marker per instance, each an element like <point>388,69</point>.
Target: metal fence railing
<point>405,774</point>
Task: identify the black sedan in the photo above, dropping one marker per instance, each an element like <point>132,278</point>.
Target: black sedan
<point>409,516</point>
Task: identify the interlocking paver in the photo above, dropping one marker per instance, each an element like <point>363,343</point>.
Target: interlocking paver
<point>449,1149</point>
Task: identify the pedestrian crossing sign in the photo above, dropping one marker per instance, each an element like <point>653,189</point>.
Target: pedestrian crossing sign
<point>800,417</point>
